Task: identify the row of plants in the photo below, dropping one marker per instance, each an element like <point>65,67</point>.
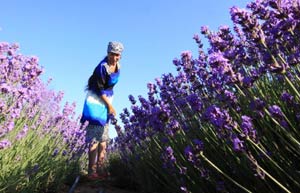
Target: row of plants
<point>228,121</point>
<point>41,144</point>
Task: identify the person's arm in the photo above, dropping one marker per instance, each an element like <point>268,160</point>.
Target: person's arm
<point>111,109</point>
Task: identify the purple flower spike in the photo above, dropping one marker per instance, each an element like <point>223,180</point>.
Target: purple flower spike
<point>276,111</point>
<point>168,158</point>
<point>132,99</point>
<point>287,97</point>
<point>205,30</point>
<point>188,152</point>
<point>246,123</point>
<point>195,102</point>
<point>22,133</point>
<point>199,146</point>
<point>238,145</point>
<point>5,143</point>
<point>247,128</point>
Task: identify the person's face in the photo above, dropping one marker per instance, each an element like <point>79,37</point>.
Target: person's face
<point>113,57</point>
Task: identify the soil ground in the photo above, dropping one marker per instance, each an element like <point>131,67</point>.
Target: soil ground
<point>96,186</point>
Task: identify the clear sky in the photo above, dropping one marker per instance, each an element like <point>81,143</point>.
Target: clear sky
<point>70,37</point>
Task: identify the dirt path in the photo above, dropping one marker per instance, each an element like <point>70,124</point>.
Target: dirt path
<point>97,186</point>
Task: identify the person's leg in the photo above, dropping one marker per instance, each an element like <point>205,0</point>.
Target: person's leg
<point>93,151</point>
<point>102,150</point>
<point>93,143</point>
<point>101,155</point>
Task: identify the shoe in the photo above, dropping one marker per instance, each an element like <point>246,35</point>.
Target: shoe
<point>94,176</point>
<point>104,174</point>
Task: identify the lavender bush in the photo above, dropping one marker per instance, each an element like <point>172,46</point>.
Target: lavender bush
<point>40,144</point>
<point>229,120</point>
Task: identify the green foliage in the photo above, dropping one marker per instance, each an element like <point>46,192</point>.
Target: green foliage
<point>29,165</point>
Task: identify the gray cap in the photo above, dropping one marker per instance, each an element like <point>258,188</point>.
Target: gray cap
<point>115,47</point>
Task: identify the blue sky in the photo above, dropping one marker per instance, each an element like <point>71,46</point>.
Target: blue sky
<point>70,37</point>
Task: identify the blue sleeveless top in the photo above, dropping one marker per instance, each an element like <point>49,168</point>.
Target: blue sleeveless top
<point>94,109</point>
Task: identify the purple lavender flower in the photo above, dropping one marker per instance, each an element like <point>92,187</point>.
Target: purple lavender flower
<point>132,99</point>
<point>195,102</point>
<point>188,152</point>
<point>217,59</point>
<point>173,127</point>
<point>177,62</point>
<point>26,93</point>
<point>294,58</point>
<point>197,39</point>
<point>198,145</point>
<point>286,97</point>
<point>33,170</point>
<point>228,97</point>
<point>205,30</point>
<point>186,54</point>
<point>221,120</point>
<point>235,12</point>
<point>68,109</point>
<point>2,106</point>
<point>5,143</point>
<point>5,88</point>
<point>22,133</point>
<point>168,158</point>
<point>284,124</point>
<point>152,88</point>
<point>55,152</point>
<point>275,111</point>
<point>247,128</point>
<point>238,145</point>
<point>248,82</point>
<point>144,102</point>
<point>258,105</point>
<point>10,125</point>
<point>112,119</point>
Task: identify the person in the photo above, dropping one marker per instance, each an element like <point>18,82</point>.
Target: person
<point>98,107</point>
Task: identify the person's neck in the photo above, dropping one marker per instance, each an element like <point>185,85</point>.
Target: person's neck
<point>112,63</point>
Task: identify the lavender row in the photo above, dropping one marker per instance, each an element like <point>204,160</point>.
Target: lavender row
<point>40,143</point>
<point>228,121</point>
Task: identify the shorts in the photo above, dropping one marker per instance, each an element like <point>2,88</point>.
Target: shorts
<point>97,133</point>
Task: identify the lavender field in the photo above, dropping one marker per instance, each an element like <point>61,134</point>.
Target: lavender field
<point>40,144</point>
<point>228,121</point>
